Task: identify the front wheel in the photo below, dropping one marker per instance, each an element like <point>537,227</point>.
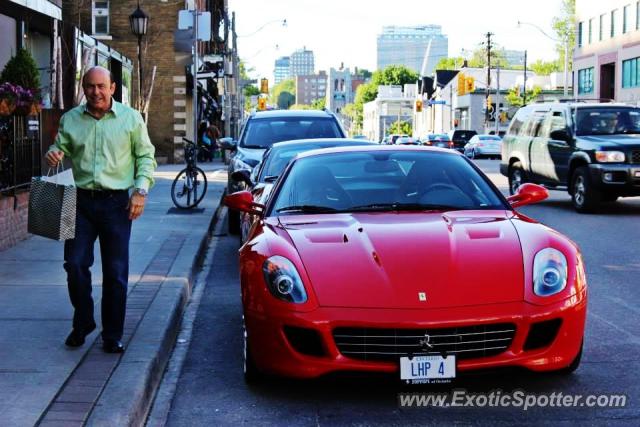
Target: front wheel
<point>584,197</point>
<point>516,177</point>
<point>188,188</point>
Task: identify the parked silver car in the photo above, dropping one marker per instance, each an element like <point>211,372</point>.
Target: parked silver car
<point>483,146</point>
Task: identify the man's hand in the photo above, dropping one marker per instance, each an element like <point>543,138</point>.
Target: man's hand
<point>136,205</point>
<point>53,158</point>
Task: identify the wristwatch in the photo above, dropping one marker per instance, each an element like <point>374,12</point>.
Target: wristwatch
<point>141,191</point>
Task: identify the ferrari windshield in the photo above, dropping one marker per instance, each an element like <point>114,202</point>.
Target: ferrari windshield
<point>378,180</point>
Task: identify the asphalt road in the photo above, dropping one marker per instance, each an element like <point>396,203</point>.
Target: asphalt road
<point>211,390</point>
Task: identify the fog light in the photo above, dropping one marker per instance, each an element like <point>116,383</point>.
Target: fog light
<point>608,177</point>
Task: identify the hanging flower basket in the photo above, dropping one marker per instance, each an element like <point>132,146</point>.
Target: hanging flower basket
<point>8,98</point>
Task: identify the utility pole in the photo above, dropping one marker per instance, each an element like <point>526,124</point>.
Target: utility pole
<point>524,86</point>
<point>496,112</point>
<point>486,99</point>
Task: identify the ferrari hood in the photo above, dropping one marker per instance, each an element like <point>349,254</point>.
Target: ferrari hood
<point>410,260</point>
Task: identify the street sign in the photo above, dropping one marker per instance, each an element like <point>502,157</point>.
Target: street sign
<point>437,102</point>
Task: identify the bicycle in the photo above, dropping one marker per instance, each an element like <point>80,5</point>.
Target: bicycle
<point>190,185</point>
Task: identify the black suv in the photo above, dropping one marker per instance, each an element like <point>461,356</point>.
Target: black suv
<point>262,129</point>
<point>460,137</point>
<point>590,149</point>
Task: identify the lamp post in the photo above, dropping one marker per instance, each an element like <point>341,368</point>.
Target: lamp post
<point>565,41</point>
<point>139,22</point>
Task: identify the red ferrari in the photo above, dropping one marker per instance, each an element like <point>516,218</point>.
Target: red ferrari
<point>405,260</point>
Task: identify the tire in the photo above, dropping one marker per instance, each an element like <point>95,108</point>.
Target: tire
<point>233,220</point>
<point>251,373</point>
<point>188,188</point>
<point>584,197</point>
<point>574,364</point>
<point>516,177</point>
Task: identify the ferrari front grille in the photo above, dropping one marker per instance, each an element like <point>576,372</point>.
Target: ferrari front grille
<point>467,342</point>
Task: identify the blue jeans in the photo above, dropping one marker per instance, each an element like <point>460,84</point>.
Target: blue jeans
<point>102,215</point>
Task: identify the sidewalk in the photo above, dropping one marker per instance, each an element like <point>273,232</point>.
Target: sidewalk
<point>43,382</point>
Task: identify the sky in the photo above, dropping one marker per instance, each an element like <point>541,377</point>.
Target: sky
<point>345,31</point>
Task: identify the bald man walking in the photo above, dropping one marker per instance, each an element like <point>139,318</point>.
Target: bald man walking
<point>113,162</point>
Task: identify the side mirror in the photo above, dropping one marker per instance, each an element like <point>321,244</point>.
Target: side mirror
<point>227,143</point>
<point>560,135</point>
<point>243,201</point>
<point>528,193</point>
<point>242,175</point>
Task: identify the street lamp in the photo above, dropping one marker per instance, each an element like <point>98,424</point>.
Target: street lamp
<point>139,22</point>
<point>565,41</point>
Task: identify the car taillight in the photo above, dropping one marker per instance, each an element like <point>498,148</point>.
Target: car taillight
<point>450,143</point>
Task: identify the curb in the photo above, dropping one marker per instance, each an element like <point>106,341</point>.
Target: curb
<point>129,393</point>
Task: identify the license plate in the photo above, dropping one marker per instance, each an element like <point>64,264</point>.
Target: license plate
<point>427,369</point>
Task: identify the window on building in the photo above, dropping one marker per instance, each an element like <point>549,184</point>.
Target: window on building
<point>590,31</point>
<point>100,17</point>
<point>585,81</point>
<point>631,73</point>
<point>601,28</point>
<point>625,19</point>
<point>580,34</point>
<point>613,23</point>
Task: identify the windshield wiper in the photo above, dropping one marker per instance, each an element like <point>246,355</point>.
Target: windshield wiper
<point>307,209</point>
<point>270,178</point>
<point>253,146</point>
<point>404,207</point>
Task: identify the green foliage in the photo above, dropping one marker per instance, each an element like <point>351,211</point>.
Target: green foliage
<point>400,127</point>
<point>543,68</point>
<point>244,71</point>
<point>498,58</point>
<point>514,97</point>
<point>394,75</point>
<point>289,88</point>
<point>250,90</point>
<point>318,104</point>
<point>364,74</point>
<point>449,63</point>
<point>22,70</point>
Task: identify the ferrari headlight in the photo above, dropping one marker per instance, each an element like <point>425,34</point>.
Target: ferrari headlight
<point>283,280</point>
<point>549,272</point>
<point>610,156</point>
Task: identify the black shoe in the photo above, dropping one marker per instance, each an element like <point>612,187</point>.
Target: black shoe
<point>113,347</point>
<point>77,336</point>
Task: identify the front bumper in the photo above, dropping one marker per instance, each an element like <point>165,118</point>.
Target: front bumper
<point>274,353</point>
<point>616,178</point>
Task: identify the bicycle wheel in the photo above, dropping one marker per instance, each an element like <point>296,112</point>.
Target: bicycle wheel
<point>188,188</point>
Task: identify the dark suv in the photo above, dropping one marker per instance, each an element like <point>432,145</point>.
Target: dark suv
<point>460,137</point>
<point>262,129</point>
<point>590,149</point>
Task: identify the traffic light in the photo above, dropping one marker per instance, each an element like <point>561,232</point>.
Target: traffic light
<point>469,84</point>
<point>461,84</point>
<point>264,86</point>
<point>418,105</point>
<point>503,117</point>
<point>262,104</point>
<point>489,103</point>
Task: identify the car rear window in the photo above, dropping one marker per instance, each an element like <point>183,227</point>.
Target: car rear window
<point>263,133</point>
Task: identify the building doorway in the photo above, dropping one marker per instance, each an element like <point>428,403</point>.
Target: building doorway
<point>608,80</point>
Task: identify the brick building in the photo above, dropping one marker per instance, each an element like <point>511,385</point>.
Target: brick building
<point>170,108</point>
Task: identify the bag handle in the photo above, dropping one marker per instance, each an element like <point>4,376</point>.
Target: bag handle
<point>58,170</point>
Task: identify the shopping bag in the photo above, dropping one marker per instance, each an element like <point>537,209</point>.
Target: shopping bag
<point>52,206</point>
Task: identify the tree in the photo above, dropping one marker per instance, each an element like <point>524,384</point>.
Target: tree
<point>300,107</point>
<point>498,58</point>
<point>564,26</point>
<point>543,68</point>
<point>319,104</point>
<point>22,70</point>
<point>400,127</point>
<point>514,97</point>
<point>283,94</point>
<point>249,91</point>
<point>449,63</point>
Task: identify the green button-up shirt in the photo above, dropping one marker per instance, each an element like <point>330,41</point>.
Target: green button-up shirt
<point>112,153</point>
